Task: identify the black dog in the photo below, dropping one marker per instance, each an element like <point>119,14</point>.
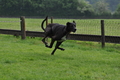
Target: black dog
<point>57,32</point>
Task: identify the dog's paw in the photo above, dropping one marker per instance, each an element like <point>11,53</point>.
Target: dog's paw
<point>48,46</point>
<point>61,49</point>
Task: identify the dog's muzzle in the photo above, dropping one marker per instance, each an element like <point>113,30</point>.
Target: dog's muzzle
<point>74,30</point>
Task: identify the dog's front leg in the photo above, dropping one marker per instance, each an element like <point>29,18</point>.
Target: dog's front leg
<point>56,47</point>
<point>52,42</point>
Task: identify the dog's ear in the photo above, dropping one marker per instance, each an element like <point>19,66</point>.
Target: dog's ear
<point>74,22</point>
<point>68,23</point>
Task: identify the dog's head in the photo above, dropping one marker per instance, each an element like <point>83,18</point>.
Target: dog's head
<point>71,27</point>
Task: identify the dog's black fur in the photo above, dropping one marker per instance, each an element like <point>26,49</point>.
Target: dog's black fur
<point>57,32</point>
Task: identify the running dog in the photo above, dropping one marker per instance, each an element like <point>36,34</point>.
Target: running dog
<point>57,32</point>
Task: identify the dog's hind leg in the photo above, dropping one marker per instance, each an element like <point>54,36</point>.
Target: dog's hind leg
<point>56,47</point>
<point>61,48</point>
<point>43,40</point>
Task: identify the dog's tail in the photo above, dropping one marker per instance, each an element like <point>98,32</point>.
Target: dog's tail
<point>43,23</point>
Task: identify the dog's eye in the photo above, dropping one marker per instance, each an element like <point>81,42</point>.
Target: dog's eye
<point>74,25</point>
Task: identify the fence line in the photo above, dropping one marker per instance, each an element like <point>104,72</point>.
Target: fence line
<point>10,21</point>
<point>83,37</point>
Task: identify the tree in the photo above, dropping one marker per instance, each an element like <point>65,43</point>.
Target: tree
<point>85,8</point>
<point>19,7</point>
<point>112,3</point>
<point>8,7</point>
<point>117,12</point>
<point>101,8</point>
<point>59,7</point>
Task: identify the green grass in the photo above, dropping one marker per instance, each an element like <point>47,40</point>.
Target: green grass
<point>30,60</point>
<point>84,26</point>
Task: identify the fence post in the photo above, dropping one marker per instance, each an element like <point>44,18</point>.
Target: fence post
<point>102,34</point>
<point>47,22</point>
<point>51,19</point>
<point>22,23</point>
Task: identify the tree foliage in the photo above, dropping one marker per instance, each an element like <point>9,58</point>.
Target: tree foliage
<point>112,3</point>
<point>85,8</point>
<point>117,12</point>
<point>38,7</point>
<point>57,8</point>
<point>101,8</point>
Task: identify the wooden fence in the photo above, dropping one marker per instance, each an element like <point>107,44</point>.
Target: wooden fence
<point>83,37</point>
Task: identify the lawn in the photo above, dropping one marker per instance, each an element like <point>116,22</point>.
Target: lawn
<point>30,60</point>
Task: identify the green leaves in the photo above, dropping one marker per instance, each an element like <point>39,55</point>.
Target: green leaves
<point>57,8</point>
<point>118,10</point>
<point>102,8</point>
<point>84,6</point>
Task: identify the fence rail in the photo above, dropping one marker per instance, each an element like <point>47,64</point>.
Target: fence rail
<point>82,37</point>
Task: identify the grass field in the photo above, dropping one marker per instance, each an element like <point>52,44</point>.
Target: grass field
<point>84,26</point>
<point>30,60</point>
